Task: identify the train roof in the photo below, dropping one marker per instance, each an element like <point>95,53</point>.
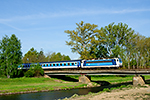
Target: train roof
<point>61,61</point>
<point>55,61</point>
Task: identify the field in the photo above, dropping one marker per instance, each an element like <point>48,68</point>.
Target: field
<point>19,85</point>
<point>26,85</point>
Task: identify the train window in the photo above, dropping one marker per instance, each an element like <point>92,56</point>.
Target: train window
<point>60,64</point>
<point>50,65</point>
<point>47,64</point>
<point>68,64</point>
<point>57,64</point>
<point>72,63</point>
<point>64,64</point>
<point>75,63</point>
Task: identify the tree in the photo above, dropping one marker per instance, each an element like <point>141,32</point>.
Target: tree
<point>100,52</point>
<point>118,40</point>
<point>116,37</point>
<point>41,57</point>
<point>31,56</point>
<point>10,55</point>
<point>57,57</point>
<point>82,39</point>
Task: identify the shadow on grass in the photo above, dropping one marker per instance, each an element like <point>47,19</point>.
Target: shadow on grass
<point>147,81</point>
<point>65,78</point>
<point>102,83</point>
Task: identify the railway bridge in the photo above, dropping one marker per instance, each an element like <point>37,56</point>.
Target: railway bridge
<point>85,78</point>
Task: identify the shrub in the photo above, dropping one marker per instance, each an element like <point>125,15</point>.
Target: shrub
<point>29,73</point>
<point>38,71</point>
<point>35,70</point>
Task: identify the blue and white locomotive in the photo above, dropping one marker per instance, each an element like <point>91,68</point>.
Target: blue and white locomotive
<point>94,63</point>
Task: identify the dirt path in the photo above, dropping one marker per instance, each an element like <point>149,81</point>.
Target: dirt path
<point>140,93</point>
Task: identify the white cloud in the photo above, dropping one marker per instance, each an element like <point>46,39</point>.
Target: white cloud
<point>72,13</point>
<point>11,26</point>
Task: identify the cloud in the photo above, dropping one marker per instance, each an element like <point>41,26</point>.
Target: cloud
<point>79,12</point>
<point>129,11</point>
<point>11,26</point>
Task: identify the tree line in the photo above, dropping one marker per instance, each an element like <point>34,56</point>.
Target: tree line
<point>33,56</point>
<point>11,57</point>
<point>114,40</point>
<point>89,41</point>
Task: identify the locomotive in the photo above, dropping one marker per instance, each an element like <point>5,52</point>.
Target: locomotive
<point>93,63</point>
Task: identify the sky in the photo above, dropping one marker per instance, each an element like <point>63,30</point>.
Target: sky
<point>41,23</point>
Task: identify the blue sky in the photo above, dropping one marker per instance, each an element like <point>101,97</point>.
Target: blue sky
<point>41,23</point>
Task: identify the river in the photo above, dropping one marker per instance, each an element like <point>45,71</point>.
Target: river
<point>51,95</point>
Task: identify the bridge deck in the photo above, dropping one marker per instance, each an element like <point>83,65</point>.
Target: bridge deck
<point>99,72</point>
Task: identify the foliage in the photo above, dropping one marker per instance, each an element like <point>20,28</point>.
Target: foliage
<point>10,56</point>
<point>35,70</point>
<point>57,57</point>
<point>82,39</point>
<point>110,41</point>
<point>32,56</point>
<point>29,73</point>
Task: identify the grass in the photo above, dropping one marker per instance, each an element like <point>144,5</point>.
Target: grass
<point>115,79</point>
<point>24,84</point>
<point>33,84</point>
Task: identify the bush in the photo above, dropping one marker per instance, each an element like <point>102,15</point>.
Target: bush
<point>35,70</point>
<point>29,73</point>
<point>38,71</point>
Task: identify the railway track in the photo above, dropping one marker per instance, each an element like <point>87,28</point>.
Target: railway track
<point>99,72</point>
<point>96,69</point>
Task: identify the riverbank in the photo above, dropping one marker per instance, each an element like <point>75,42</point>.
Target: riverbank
<point>125,93</point>
<point>30,85</point>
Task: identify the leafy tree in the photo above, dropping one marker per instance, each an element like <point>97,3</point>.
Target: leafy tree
<point>82,39</point>
<point>10,55</point>
<point>31,56</point>
<point>57,57</point>
<point>100,52</point>
<point>147,49</point>
<point>116,37</point>
<point>41,57</point>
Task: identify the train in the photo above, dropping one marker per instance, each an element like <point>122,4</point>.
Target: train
<point>92,63</point>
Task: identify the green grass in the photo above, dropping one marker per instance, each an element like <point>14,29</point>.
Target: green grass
<point>111,78</point>
<point>39,84</point>
<point>33,84</point>
<point>116,79</point>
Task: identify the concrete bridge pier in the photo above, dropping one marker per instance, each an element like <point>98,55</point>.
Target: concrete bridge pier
<point>85,79</point>
<point>138,80</point>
